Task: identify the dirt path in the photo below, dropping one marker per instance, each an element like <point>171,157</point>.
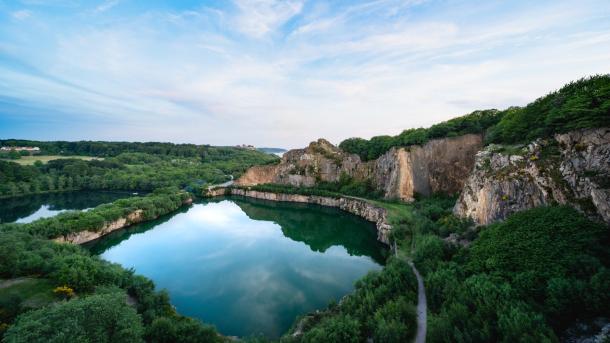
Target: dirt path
<point>10,282</point>
<point>422,303</point>
<point>422,307</point>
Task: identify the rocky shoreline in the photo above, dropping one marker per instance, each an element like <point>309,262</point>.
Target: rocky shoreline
<point>359,207</point>
<point>86,236</point>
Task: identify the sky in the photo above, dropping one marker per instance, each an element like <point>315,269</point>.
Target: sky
<point>281,73</point>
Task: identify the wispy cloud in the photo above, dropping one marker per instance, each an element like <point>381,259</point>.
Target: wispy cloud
<point>21,14</point>
<point>257,18</point>
<point>284,72</point>
<point>106,5</point>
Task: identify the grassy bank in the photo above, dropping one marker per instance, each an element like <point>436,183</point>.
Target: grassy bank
<point>151,206</point>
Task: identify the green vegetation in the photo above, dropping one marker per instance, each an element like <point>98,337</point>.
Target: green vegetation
<point>526,279</point>
<point>69,295</point>
<point>161,202</point>
<point>13,155</point>
<point>581,104</point>
<point>21,295</point>
<point>111,303</point>
<point>127,171</point>
<point>99,318</point>
<point>108,149</point>
<point>381,307</point>
<point>31,159</point>
<point>345,186</point>
<point>476,122</point>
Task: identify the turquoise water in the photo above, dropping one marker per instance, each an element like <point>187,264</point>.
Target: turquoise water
<point>249,266</point>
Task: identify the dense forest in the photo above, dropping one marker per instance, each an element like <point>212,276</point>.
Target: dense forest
<point>580,104</point>
<point>528,279</point>
<point>127,171</point>
<point>381,307</point>
<point>108,149</point>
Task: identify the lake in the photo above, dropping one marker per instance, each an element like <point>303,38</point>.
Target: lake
<point>249,266</point>
<point>26,209</point>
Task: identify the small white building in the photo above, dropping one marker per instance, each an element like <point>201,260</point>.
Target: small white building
<point>20,148</point>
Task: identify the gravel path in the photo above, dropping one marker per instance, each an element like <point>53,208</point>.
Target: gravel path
<point>422,307</point>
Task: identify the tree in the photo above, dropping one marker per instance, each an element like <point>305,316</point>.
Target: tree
<point>97,318</point>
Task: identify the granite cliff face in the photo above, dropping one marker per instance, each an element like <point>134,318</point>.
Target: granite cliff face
<point>87,236</point>
<point>441,165</point>
<point>571,168</point>
<point>320,161</point>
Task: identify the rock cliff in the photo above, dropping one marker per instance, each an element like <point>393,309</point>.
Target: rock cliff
<point>571,168</point>
<point>359,207</point>
<point>87,236</point>
<point>440,165</point>
<point>320,161</point>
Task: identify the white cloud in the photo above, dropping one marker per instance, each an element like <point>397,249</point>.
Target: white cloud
<point>21,14</point>
<point>106,5</point>
<point>258,18</point>
<point>363,71</point>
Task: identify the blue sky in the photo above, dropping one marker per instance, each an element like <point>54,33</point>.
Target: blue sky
<point>281,73</point>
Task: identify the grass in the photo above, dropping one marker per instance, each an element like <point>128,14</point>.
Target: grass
<point>31,292</point>
<point>29,160</point>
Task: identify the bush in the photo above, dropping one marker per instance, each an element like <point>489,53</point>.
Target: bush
<point>525,279</point>
<point>97,318</point>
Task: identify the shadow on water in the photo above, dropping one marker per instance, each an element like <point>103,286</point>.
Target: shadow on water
<point>98,246</point>
<point>13,209</point>
<point>317,226</point>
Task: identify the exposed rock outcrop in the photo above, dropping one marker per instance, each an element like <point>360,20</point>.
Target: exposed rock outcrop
<point>359,207</point>
<point>87,236</point>
<point>572,168</point>
<point>320,161</point>
<point>441,165</point>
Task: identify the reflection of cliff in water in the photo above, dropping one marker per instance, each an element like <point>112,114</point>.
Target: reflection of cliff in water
<point>317,226</point>
<point>12,209</point>
<point>98,246</point>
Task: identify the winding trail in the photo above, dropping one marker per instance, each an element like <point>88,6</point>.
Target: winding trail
<point>422,307</point>
<point>422,303</point>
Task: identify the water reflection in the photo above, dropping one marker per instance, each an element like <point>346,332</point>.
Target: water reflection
<point>229,262</point>
<point>26,209</point>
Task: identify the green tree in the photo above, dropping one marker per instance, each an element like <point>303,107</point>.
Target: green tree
<point>97,318</point>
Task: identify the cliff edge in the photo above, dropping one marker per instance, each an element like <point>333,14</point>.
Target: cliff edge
<point>440,165</point>
<point>571,168</point>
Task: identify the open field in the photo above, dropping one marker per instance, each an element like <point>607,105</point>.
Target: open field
<point>29,160</point>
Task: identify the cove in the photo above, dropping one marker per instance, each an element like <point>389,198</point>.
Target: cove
<point>249,266</point>
<point>26,209</point>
